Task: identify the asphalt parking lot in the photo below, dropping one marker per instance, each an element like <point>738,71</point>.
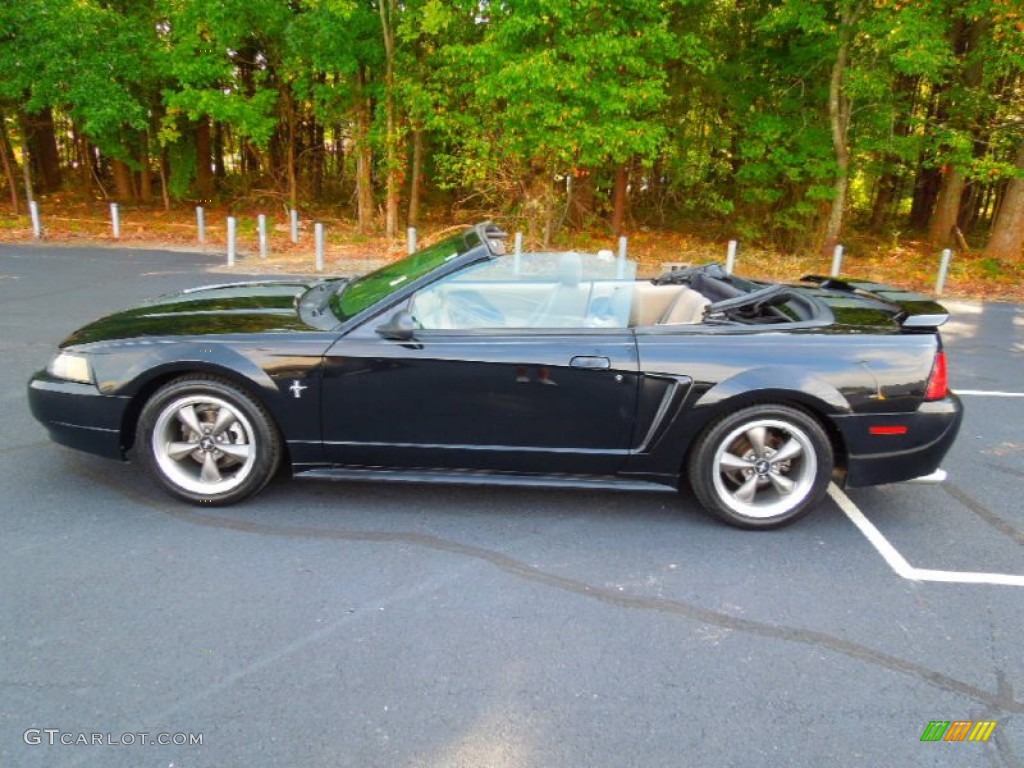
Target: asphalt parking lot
<point>327,624</point>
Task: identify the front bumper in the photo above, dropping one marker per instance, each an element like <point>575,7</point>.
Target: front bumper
<point>78,415</point>
<point>876,459</point>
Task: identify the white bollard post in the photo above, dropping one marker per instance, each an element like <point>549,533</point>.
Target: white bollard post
<point>837,261</point>
<point>33,212</point>
<point>319,230</point>
<point>940,284</point>
<point>730,257</point>
<point>115,221</point>
<point>232,232</point>
<point>620,271</point>
<point>295,225</point>
<point>201,224</point>
<point>518,252</point>
<point>261,222</point>
<point>410,235</point>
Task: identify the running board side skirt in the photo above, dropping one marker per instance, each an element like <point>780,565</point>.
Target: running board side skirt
<point>456,477</point>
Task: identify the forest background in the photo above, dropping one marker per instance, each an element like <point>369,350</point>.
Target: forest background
<point>893,126</point>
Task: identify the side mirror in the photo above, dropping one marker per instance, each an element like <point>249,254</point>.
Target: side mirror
<point>400,327</point>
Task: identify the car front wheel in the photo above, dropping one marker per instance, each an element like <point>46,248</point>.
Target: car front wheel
<point>207,441</point>
<point>762,466</point>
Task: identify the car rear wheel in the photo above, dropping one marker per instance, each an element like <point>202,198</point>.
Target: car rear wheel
<point>762,466</point>
<point>207,441</point>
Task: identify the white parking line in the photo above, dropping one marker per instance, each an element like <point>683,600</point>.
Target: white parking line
<point>987,393</point>
<point>899,563</point>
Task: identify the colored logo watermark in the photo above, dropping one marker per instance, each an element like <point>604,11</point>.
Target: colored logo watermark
<point>958,730</point>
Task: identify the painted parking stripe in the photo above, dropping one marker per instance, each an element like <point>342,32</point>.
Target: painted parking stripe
<point>987,393</point>
<point>888,552</point>
<point>899,563</point>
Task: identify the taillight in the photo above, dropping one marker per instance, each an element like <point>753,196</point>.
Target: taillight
<point>938,381</point>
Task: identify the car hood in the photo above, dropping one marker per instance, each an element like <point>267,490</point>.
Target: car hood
<point>236,308</point>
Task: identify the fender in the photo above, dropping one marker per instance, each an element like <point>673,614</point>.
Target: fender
<point>774,381</point>
<point>131,370</point>
<point>123,371</point>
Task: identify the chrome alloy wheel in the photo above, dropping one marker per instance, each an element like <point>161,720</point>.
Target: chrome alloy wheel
<point>764,468</point>
<point>204,444</point>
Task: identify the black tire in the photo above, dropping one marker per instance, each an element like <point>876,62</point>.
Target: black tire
<point>235,448</point>
<point>734,473</point>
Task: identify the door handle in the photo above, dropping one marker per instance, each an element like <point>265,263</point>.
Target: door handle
<point>591,361</point>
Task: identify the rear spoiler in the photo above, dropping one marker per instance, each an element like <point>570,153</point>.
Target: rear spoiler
<point>913,310</point>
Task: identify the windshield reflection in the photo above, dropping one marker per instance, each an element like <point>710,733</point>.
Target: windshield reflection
<point>363,292</point>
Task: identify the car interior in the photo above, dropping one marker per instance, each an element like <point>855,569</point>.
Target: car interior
<point>572,290</point>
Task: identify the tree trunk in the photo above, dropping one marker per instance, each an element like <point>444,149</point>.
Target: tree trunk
<point>1007,240</point>
<point>549,197</point>
<point>388,9</point>
<point>165,193</point>
<point>927,183</point>
<point>26,173</point>
<point>253,159</point>
<point>122,180</point>
<point>581,200</point>
<point>244,156</point>
<point>619,199</point>
<point>145,181</point>
<point>416,181</point>
<point>839,121</point>
<point>338,157</point>
<point>364,156</point>
<point>890,182</point>
<point>84,161</point>
<point>7,154</point>
<point>219,170</point>
<point>885,195</point>
<point>41,140</point>
<point>204,160</point>
<point>146,174</point>
<point>292,158</point>
<point>985,211</point>
<point>316,157</point>
<point>947,207</point>
<point>969,205</point>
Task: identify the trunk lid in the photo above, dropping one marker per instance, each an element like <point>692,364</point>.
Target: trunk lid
<point>866,303</point>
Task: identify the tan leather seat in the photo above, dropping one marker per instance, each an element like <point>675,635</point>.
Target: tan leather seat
<point>687,309</point>
<point>666,305</point>
<point>650,302</point>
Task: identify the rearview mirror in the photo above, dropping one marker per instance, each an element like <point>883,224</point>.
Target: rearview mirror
<point>400,327</point>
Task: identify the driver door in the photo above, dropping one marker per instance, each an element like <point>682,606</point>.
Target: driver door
<point>477,388</point>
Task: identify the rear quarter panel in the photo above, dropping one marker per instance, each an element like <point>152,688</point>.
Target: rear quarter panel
<point>832,372</point>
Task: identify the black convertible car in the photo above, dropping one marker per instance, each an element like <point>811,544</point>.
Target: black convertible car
<point>463,364</point>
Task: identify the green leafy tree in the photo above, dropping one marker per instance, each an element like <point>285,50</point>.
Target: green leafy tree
<point>334,48</point>
<point>222,60</point>
<point>90,60</point>
<point>550,89</point>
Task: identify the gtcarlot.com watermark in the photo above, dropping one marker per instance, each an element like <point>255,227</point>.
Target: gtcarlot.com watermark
<point>55,736</point>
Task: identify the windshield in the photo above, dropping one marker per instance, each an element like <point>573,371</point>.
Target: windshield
<point>363,292</point>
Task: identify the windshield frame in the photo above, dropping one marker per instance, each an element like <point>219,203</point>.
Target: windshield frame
<point>360,294</point>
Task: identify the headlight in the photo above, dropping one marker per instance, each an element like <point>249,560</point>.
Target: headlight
<point>72,367</point>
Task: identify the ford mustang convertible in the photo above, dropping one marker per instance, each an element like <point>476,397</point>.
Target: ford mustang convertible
<point>464,364</point>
